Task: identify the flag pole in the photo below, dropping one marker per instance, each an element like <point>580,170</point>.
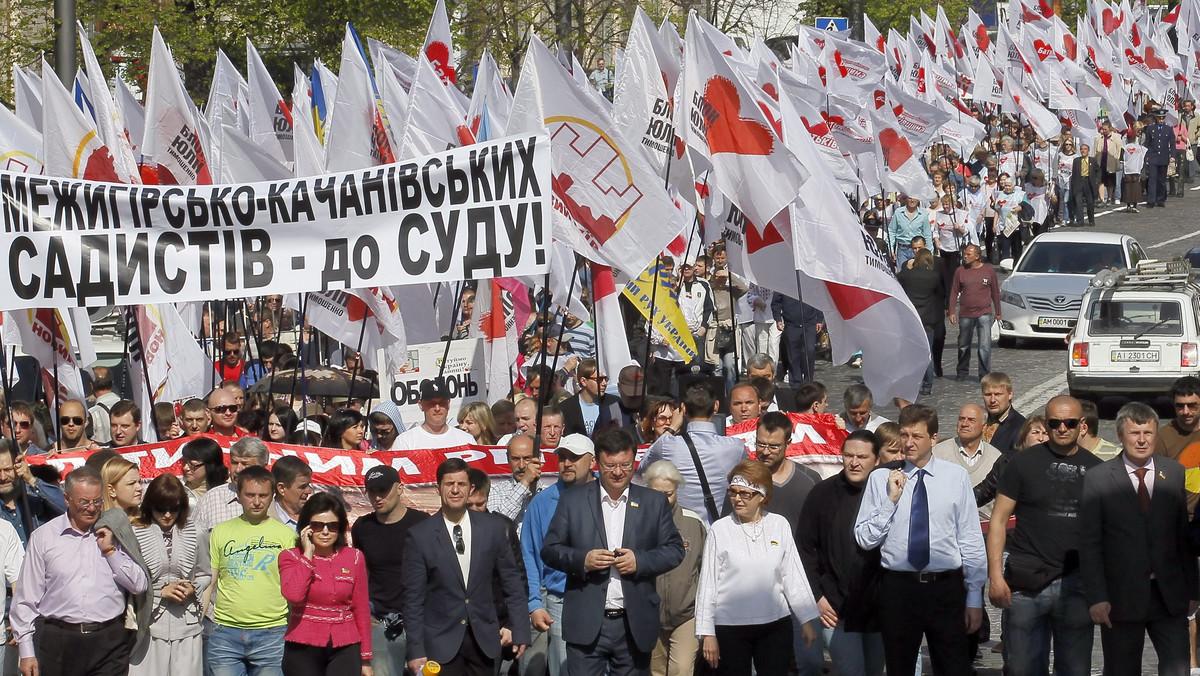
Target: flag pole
<point>131,313</point>
<point>362,332</point>
<point>7,384</point>
<point>562,328</point>
<point>803,336</point>
<point>454,314</point>
<point>55,319</point>
<point>300,350</point>
<point>544,319</point>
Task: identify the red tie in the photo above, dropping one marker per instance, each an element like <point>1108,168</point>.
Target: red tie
<point>1143,492</point>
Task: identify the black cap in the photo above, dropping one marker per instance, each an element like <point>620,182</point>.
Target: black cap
<point>434,389</point>
<point>381,476</point>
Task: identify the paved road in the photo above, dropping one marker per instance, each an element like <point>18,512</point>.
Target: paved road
<point>1038,370</point>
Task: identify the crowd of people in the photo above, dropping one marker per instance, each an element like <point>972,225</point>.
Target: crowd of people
<point>709,552</point>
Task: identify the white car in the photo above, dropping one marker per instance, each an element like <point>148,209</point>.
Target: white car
<point>1138,331</point>
<point>1041,298</point>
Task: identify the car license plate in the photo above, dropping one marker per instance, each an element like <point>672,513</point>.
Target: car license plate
<point>1056,322</point>
<point>1134,355</point>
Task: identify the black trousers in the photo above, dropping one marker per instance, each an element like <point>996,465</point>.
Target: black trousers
<point>767,646</point>
<point>614,653</point>
<point>62,652</point>
<point>1124,642</point>
<point>311,660</point>
<point>470,660</point>
<point>910,610</point>
<point>1156,174</point>
<point>1085,202</point>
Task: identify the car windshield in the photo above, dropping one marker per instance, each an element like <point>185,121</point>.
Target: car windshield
<point>1134,317</point>
<point>1071,258</point>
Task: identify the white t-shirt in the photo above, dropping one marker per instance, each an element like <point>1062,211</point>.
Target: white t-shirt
<point>418,439</point>
<point>1135,158</point>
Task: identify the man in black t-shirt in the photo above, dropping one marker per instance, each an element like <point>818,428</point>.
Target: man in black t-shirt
<point>380,537</point>
<point>1039,583</point>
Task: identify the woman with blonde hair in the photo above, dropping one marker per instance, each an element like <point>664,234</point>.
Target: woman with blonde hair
<point>122,502</point>
<point>476,419</point>
<point>752,582</point>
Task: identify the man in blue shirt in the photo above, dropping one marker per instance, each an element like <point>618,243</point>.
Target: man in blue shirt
<point>911,221</point>
<point>25,501</point>
<point>924,521</point>
<point>547,585</point>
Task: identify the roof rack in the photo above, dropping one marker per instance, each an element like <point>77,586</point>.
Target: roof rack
<point>1149,272</point>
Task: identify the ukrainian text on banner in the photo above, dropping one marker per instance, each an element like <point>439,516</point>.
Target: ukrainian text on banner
<point>663,303</point>
<point>470,213</point>
<point>816,439</point>
<point>463,373</point>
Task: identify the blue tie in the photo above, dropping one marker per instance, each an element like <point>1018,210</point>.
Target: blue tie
<point>918,525</point>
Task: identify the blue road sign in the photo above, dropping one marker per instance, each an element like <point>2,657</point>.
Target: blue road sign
<point>833,23</point>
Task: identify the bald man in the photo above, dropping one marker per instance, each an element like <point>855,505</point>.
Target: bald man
<point>743,403</point>
<point>968,449</point>
<point>526,412</point>
<point>72,428</point>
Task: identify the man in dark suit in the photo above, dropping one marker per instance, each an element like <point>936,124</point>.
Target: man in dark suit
<point>1139,573</point>
<point>800,323</point>
<point>1160,147</point>
<point>450,561</point>
<point>1085,184</point>
<point>612,540</point>
<point>590,409</point>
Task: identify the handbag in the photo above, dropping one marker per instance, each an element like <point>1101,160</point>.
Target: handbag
<point>724,340</point>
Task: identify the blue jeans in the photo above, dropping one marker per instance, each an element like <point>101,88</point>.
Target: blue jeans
<point>1064,204</point>
<point>855,654</point>
<point>1060,611</point>
<point>551,651</point>
<point>389,658</point>
<point>246,652</point>
<point>810,661</point>
<point>904,254</point>
<point>981,328</point>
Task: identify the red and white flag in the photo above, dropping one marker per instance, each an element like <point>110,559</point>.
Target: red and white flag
<point>610,204</point>
<point>726,125</point>
<point>439,44</point>
<point>172,148</point>
<point>270,119</point>
<point>900,168</point>
<point>358,134</point>
<point>490,97</point>
<point>70,144</point>
<point>45,336</point>
<point>433,123</point>
<point>20,145</point>
<point>107,114</point>
<point>612,345</point>
<point>498,326</point>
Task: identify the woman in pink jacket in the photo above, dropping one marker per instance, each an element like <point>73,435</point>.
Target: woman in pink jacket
<point>325,583</point>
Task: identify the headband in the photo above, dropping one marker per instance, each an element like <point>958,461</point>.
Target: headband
<point>739,480</point>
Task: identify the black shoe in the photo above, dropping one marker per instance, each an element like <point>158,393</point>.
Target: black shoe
<point>960,378</point>
<point>1091,224</point>
<point>926,390</point>
<point>1160,205</point>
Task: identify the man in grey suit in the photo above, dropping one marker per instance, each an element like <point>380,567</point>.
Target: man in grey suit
<point>612,540</point>
<point>1138,570</point>
<point>449,563</point>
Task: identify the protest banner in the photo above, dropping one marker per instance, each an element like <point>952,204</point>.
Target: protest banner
<point>464,374</point>
<point>816,440</point>
<point>468,213</point>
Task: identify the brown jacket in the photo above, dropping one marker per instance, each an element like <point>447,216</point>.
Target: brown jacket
<point>677,589</point>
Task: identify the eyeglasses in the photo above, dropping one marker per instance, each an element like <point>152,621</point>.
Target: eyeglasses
<point>23,424</point>
<point>173,509</point>
<point>331,526</point>
<point>743,495</point>
<point>1071,423</point>
<point>770,447</point>
<point>70,420</point>
<point>666,417</point>
<point>192,465</point>
<point>225,410</point>
<point>614,466</point>
<point>460,545</point>
<point>84,504</point>
<point>599,379</point>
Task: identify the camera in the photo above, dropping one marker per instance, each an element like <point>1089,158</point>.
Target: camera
<point>393,626</point>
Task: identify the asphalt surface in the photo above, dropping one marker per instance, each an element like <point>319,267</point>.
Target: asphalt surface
<point>1039,369</point>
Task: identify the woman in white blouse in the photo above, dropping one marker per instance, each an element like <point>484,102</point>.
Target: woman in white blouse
<point>751,583</point>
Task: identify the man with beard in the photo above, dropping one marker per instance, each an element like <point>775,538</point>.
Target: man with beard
<point>548,650</point>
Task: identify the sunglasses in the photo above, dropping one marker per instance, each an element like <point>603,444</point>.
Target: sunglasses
<point>331,526</point>
<point>1071,423</point>
<point>70,420</point>
<point>233,351</point>
<point>226,409</point>
<point>23,424</point>
<point>173,509</point>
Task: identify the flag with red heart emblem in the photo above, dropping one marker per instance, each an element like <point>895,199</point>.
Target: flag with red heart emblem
<point>171,124</point>
<point>845,275</point>
<point>439,44</point>
<point>899,168</point>
<point>852,68</point>
<point>110,123</point>
<point>1045,123</point>
<point>70,144</point>
<point>609,203</point>
<point>725,124</point>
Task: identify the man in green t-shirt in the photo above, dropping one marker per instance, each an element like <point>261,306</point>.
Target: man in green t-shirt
<point>250,612</point>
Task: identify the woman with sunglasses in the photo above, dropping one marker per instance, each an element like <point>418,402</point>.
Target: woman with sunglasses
<point>661,415</point>
<point>203,467</point>
<point>177,567</point>
<point>325,583</point>
<point>345,431</point>
<point>751,583</point>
